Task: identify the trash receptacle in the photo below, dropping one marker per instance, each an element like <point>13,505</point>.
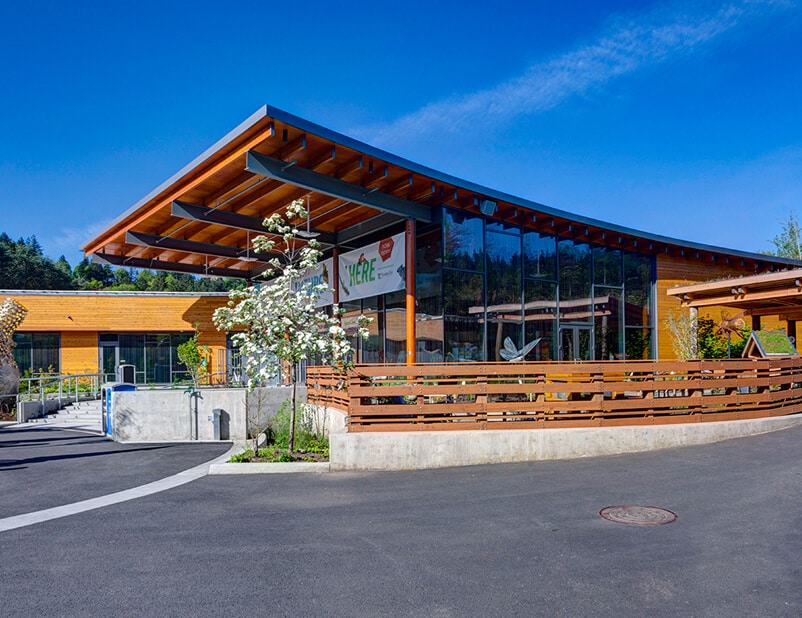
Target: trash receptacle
<point>126,374</point>
<point>215,418</point>
<point>107,401</point>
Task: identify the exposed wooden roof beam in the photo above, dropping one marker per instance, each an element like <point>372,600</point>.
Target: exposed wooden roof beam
<point>291,147</point>
<point>349,168</point>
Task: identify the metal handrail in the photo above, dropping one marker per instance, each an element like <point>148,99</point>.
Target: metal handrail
<point>47,387</point>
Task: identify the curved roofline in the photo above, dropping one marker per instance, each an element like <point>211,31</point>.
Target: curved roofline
<point>268,111</point>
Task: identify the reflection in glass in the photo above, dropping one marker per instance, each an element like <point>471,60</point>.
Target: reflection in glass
<point>37,352</point>
<point>638,343</point>
<point>464,309</point>
<point>429,273</point>
<point>637,289</point>
<point>608,319</point>
<point>429,333</point>
<point>540,255</point>
<point>157,359</point>
<point>607,266</point>
<point>464,241</point>
<point>575,274</point>
<point>395,327</point>
<point>575,342</point>
<point>463,339</point>
<point>504,316</point>
<point>540,318</point>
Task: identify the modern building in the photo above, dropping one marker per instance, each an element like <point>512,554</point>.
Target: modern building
<point>94,332</point>
<point>447,268</point>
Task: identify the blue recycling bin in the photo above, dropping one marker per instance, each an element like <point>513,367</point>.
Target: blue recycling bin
<point>107,391</point>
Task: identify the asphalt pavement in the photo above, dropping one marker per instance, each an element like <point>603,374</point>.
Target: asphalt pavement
<point>500,540</point>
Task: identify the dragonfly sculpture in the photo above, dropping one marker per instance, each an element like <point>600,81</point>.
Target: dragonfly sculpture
<point>513,354</point>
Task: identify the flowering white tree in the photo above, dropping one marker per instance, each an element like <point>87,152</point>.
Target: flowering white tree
<point>278,322</point>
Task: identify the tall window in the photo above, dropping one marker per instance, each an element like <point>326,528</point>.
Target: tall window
<point>504,293</point>
<point>637,305</point>
<point>429,296</point>
<point>463,287</point>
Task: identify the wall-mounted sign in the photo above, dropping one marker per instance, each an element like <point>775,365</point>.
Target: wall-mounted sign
<point>376,269</point>
<point>322,274</point>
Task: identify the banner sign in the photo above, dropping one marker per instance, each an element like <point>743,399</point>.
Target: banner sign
<point>376,269</point>
<point>322,274</point>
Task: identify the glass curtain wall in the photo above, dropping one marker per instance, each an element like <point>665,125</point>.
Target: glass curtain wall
<point>479,282</point>
<point>578,300</point>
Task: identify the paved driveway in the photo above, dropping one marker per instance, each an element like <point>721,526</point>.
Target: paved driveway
<point>42,467</point>
<point>503,540</point>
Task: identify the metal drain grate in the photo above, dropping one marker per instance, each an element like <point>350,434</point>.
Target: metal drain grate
<point>635,515</point>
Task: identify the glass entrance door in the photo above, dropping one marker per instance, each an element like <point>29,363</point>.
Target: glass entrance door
<point>575,342</point>
<point>109,359</point>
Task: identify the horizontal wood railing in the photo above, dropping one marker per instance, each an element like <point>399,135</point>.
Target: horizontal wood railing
<point>540,395</point>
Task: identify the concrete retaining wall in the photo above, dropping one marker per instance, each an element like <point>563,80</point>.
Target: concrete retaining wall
<point>165,416</point>
<point>433,449</point>
<point>27,410</point>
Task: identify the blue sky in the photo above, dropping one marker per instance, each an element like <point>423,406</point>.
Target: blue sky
<point>677,118</point>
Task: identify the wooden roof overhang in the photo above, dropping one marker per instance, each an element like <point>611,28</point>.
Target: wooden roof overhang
<point>202,220</point>
<point>777,293</point>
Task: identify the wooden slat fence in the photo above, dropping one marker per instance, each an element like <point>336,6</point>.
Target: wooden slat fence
<point>541,395</point>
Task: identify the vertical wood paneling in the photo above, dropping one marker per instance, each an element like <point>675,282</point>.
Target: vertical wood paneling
<point>673,271</point>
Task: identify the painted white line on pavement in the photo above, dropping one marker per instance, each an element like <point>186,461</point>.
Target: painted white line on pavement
<point>28,519</point>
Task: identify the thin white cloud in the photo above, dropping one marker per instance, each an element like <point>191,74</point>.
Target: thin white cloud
<point>627,45</point>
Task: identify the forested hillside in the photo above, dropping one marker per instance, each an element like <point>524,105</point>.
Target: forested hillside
<point>23,266</point>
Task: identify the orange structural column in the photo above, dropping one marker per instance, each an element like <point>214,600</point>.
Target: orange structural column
<point>410,312</point>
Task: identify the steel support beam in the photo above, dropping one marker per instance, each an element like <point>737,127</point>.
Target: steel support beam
<point>234,220</point>
<point>191,246</point>
<point>350,234</point>
<point>176,267</point>
<point>320,183</point>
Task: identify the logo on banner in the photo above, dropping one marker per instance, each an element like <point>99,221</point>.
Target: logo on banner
<point>386,249</point>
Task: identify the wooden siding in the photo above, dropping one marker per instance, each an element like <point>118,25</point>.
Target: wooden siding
<point>80,318</point>
<point>673,271</point>
<point>134,314</point>
<point>79,352</point>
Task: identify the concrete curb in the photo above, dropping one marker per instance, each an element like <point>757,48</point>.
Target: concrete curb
<point>269,468</point>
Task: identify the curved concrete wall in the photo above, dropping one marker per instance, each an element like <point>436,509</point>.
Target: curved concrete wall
<point>433,449</point>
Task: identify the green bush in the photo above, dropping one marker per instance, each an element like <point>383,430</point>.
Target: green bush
<point>306,441</point>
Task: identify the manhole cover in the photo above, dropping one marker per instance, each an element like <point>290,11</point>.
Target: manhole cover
<point>634,515</point>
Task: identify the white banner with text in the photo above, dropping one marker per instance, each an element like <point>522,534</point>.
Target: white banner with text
<point>376,269</point>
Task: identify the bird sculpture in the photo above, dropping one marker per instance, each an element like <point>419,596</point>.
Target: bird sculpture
<point>735,324</point>
<point>513,354</point>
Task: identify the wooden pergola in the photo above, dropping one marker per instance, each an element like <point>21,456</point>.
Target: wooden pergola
<point>778,293</point>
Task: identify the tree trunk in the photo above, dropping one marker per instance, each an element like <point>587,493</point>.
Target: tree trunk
<point>291,445</point>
